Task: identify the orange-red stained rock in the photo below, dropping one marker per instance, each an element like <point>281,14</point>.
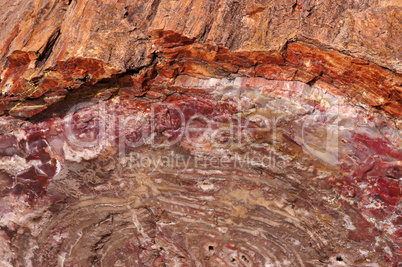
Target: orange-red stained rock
<point>18,58</point>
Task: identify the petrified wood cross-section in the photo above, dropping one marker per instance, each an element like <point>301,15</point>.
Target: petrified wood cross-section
<point>200,133</point>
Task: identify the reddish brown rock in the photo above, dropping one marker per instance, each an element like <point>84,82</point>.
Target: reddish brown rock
<point>200,133</point>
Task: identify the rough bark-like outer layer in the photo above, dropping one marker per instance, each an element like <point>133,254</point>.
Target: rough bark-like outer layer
<point>200,133</point>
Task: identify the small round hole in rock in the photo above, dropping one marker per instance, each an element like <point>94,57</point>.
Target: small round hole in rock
<point>339,258</point>
<point>244,258</point>
<point>211,248</point>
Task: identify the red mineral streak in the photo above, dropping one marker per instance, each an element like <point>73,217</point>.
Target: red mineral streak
<point>302,62</point>
<point>380,146</point>
<point>32,184</point>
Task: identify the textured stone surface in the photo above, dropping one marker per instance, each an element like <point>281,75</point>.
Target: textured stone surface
<point>194,133</point>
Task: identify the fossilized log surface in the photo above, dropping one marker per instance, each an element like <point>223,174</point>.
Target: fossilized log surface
<point>193,133</point>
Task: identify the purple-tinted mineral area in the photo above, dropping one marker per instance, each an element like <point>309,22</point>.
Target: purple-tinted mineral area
<point>200,133</point>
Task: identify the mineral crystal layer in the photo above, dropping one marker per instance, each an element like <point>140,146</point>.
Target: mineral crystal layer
<point>200,133</point>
